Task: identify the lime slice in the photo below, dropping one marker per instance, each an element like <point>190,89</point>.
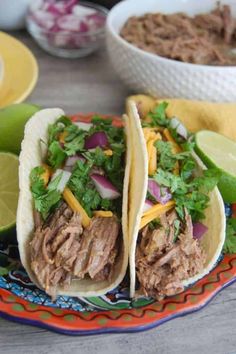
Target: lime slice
<point>12,123</point>
<point>217,151</point>
<point>8,192</point>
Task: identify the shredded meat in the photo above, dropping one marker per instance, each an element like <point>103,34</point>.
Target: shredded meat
<point>97,247</point>
<point>204,39</point>
<point>62,250</point>
<point>163,264</point>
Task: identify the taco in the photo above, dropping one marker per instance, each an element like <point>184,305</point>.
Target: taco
<point>72,210</point>
<point>176,218</point>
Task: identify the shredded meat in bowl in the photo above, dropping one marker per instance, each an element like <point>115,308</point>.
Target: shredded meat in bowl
<point>204,39</point>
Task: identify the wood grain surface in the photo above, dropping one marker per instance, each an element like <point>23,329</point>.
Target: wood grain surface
<point>87,85</point>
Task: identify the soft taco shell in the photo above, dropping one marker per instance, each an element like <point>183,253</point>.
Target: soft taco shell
<point>30,157</point>
<point>213,240</point>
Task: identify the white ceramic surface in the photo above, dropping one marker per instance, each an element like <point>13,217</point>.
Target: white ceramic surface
<point>149,73</point>
<point>12,14</point>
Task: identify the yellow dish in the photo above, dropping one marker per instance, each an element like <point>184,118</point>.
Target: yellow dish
<point>20,70</point>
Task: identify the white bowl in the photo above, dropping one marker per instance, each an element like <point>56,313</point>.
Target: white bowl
<point>158,76</point>
<point>12,14</point>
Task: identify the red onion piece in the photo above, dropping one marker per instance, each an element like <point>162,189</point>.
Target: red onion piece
<point>95,21</point>
<point>69,23</point>
<point>63,20</point>
<point>71,161</point>
<point>161,194</point>
<point>44,19</point>
<point>180,128</point>
<point>69,5</point>
<point>83,11</point>
<point>147,205</point>
<point>104,187</point>
<point>60,8</point>
<point>96,139</point>
<point>65,176</point>
<point>199,230</point>
<point>83,125</point>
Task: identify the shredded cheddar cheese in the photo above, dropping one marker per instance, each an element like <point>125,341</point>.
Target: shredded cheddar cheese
<point>103,213</point>
<point>168,136</point>
<point>108,152</point>
<point>62,137</point>
<point>46,174</point>
<point>76,206</point>
<point>155,212</point>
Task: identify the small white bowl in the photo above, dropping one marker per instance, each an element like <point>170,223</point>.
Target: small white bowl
<point>158,76</point>
<point>12,14</point>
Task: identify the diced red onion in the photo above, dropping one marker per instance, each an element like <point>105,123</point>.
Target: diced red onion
<point>82,11</point>
<point>147,205</point>
<point>65,176</point>
<point>44,19</point>
<point>96,139</point>
<point>161,194</point>
<point>83,125</point>
<point>104,187</point>
<point>180,128</point>
<point>199,230</point>
<point>97,170</point>
<point>60,7</point>
<point>67,15</point>
<point>64,20</point>
<point>69,23</point>
<point>71,161</point>
<point>69,5</point>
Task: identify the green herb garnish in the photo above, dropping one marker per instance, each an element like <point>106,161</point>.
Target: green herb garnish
<point>44,198</point>
<point>230,242</point>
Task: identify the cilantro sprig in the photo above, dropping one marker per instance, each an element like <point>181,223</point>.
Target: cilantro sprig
<point>45,198</point>
<point>158,116</point>
<point>230,242</point>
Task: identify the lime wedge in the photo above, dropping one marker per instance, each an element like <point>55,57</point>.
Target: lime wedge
<point>12,124</point>
<point>8,192</point>
<point>217,151</point>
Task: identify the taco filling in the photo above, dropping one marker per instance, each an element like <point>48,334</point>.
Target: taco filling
<point>77,194</point>
<point>169,248</point>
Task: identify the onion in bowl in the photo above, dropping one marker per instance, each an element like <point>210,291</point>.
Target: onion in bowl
<point>67,28</point>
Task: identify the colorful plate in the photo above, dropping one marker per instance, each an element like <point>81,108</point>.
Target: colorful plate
<point>20,70</point>
<point>21,301</point>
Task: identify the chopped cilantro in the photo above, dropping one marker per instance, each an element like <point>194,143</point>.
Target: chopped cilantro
<point>44,198</point>
<point>177,229</point>
<point>84,190</point>
<point>188,192</point>
<point>75,145</point>
<point>154,224</point>
<point>65,120</point>
<point>56,155</point>
<point>158,116</point>
<point>230,242</point>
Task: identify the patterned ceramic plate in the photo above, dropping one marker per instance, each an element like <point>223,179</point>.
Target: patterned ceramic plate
<point>21,301</point>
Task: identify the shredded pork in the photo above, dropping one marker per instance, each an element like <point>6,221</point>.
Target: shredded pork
<point>161,263</point>
<point>62,250</point>
<point>203,39</point>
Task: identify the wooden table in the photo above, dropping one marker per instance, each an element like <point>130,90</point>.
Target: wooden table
<point>85,85</point>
